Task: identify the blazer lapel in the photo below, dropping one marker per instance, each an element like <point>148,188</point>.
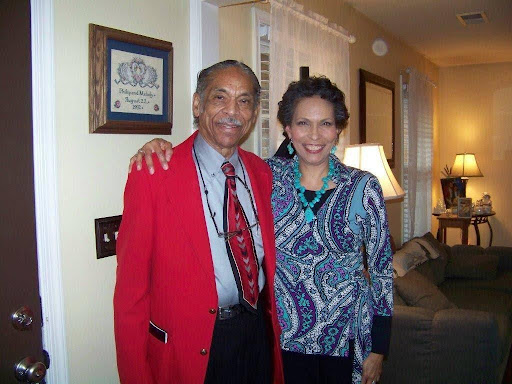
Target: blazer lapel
<point>183,192</point>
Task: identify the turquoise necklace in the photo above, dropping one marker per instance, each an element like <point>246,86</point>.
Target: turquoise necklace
<point>308,205</point>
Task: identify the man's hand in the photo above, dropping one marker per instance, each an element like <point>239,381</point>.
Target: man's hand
<point>161,147</point>
<point>372,368</point>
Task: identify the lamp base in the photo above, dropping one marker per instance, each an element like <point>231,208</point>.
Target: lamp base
<point>465,184</point>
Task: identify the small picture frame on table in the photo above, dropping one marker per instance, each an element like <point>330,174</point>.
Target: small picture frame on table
<point>130,82</point>
<point>464,208</point>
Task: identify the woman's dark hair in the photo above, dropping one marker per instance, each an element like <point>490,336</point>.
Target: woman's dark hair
<point>313,86</point>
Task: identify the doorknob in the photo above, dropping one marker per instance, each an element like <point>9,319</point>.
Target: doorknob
<point>22,319</point>
<point>29,370</point>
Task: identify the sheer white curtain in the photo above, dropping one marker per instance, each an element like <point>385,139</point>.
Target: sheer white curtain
<point>417,120</point>
<point>304,39</point>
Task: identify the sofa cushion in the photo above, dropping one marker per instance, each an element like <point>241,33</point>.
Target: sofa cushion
<point>397,299</point>
<point>478,299</point>
<point>426,271</point>
<point>408,257</point>
<point>505,334</point>
<point>418,291</point>
<point>502,283</point>
<point>471,262</point>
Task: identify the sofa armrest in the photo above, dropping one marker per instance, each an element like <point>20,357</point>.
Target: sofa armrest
<point>465,347</point>
<point>505,257</point>
<point>409,357</point>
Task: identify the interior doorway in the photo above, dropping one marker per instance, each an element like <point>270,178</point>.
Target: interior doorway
<point>19,284</point>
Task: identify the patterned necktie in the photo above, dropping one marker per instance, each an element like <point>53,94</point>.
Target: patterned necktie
<point>240,246</point>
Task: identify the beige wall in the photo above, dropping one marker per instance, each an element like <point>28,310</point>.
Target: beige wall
<point>236,42</point>
<point>475,116</point>
<point>92,168</point>
<point>235,23</point>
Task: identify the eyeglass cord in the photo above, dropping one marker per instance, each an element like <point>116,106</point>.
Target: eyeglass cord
<point>243,182</point>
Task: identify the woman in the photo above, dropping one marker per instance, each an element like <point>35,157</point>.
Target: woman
<point>335,322</point>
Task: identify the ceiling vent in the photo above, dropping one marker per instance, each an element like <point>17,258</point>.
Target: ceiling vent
<point>472,18</point>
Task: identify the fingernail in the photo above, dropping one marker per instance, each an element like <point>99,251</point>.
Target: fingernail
<point>151,171</point>
<point>139,167</point>
<point>166,167</point>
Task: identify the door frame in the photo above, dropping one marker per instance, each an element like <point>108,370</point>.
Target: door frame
<point>46,191</point>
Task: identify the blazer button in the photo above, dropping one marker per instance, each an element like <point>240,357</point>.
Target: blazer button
<point>213,311</point>
<point>203,352</point>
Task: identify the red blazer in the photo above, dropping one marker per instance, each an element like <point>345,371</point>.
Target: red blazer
<point>165,272</point>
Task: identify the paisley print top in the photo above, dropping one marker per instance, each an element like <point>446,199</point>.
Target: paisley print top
<point>323,298</point>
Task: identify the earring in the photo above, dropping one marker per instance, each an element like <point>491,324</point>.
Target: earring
<point>290,148</point>
<point>333,150</point>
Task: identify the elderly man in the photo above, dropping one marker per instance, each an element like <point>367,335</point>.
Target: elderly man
<point>194,298</point>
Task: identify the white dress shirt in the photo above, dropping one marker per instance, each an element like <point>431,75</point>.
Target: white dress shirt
<point>209,162</point>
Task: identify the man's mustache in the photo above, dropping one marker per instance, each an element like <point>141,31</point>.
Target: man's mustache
<point>230,121</point>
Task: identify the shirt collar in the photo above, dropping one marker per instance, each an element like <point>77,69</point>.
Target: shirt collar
<point>210,159</point>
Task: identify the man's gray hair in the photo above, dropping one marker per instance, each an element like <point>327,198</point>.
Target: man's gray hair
<point>206,75</point>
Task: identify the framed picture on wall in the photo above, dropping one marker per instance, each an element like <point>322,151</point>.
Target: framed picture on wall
<point>464,207</point>
<point>130,82</point>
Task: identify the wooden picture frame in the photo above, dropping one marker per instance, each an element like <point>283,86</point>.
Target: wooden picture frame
<point>464,208</point>
<point>377,112</point>
<point>130,82</point>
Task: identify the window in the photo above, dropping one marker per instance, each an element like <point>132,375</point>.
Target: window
<point>262,68</point>
<point>417,120</point>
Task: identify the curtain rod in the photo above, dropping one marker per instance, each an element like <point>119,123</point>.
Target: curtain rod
<point>420,75</point>
<point>314,18</point>
<point>246,2</point>
<point>333,27</point>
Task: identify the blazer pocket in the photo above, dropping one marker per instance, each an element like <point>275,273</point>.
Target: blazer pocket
<point>158,332</point>
<point>159,347</point>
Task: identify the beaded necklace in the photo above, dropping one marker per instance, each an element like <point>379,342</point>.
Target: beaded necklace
<point>308,205</point>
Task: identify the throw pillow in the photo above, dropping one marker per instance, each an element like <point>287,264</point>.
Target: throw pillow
<point>434,248</point>
<point>472,262</point>
<point>437,265</point>
<point>432,252</point>
<point>408,257</point>
<point>417,291</point>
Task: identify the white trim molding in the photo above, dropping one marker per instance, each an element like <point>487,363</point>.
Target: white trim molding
<point>258,17</point>
<point>195,37</point>
<point>45,186</point>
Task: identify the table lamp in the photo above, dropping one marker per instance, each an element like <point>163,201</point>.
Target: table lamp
<point>371,158</point>
<point>465,166</point>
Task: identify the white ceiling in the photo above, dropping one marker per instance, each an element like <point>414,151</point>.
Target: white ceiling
<point>432,28</point>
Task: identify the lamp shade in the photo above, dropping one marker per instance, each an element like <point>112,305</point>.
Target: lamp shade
<point>465,165</point>
<point>371,158</point>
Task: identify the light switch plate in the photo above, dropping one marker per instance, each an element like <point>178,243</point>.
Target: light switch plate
<point>107,229</point>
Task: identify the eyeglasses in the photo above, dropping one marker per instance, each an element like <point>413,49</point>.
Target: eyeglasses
<point>228,235</point>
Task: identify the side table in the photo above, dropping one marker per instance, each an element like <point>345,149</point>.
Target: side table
<point>481,218</point>
<point>447,220</point>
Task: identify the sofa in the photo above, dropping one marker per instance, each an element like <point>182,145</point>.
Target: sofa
<point>452,314</point>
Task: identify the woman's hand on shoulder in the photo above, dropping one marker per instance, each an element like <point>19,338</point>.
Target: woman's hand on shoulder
<point>372,368</point>
<point>161,147</point>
